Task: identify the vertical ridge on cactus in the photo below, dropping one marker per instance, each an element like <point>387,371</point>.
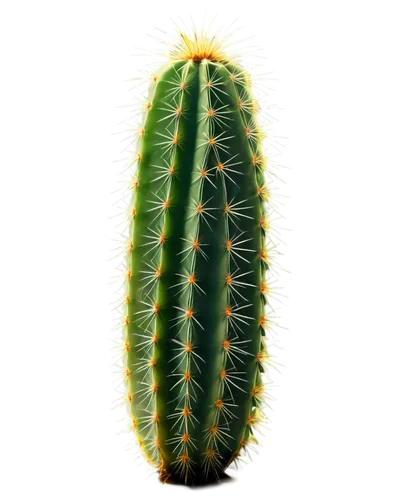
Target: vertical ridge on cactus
<point>196,291</point>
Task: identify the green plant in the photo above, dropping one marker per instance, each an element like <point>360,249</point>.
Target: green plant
<point>195,317</point>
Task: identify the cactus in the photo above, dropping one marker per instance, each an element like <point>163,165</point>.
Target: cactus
<point>196,289</point>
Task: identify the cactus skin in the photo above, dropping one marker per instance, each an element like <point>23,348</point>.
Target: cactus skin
<point>194,316</point>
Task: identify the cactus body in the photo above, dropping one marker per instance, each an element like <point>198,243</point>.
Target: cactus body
<point>194,314</point>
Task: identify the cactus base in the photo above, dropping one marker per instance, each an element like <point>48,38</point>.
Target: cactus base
<point>165,479</point>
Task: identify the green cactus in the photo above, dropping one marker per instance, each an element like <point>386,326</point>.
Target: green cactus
<point>195,318</point>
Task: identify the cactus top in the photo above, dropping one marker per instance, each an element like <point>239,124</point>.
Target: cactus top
<point>198,47</point>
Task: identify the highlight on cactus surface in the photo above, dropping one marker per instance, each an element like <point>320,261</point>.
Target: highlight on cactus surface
<point>197,322</point>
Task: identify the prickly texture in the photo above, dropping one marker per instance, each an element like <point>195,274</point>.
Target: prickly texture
<point>194,314</point>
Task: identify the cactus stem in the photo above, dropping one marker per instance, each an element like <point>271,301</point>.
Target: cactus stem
<point>194,286</point>
<point>214,118</point>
